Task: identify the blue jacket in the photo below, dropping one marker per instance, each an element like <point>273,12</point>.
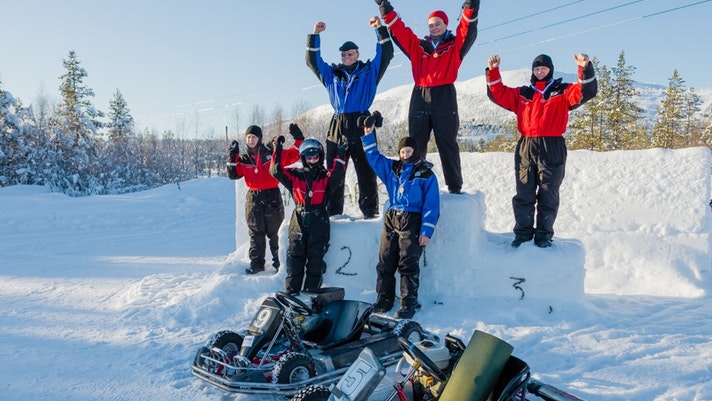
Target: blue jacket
<point>420,192</point>
<point>351,92</point>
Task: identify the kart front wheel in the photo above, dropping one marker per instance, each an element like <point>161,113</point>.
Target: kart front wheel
<point>226,340</point>
<point>315,392</point>
<point>293,368</point>
<point>410,330</point>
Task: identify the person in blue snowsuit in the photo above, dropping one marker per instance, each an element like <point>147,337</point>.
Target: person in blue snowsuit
<point>352,87</point>
<point>409,223</point>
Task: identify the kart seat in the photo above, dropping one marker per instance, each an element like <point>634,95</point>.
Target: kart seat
<point>512,383</point>
<point>342,321</point>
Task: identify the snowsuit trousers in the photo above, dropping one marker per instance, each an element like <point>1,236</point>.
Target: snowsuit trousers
<point>540,166</point>
<point>308,242</point>
<point>343,128</point>
<point>435,109</point>
<point>264,213</point>
<point>399,252</point>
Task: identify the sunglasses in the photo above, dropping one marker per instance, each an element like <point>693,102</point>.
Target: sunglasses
<point>348,54</point>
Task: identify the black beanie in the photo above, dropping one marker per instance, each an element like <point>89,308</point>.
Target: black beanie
<point>254,130</point>
<point>409,142</point>
<point>348,45</point>
<point>543,60</point>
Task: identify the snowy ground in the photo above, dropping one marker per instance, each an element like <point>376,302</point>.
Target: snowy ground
<point>109,297</point>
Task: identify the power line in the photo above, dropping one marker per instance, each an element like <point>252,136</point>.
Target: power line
<point>594,28</point>
<point>530,15</point>
<point>564,21</point>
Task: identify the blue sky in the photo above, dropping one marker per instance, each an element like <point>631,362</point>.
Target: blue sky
<point>188,66</point>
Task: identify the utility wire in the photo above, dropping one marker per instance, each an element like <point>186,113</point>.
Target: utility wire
<point>529,16</point>
<point>563,22</point>
<point>594,28</point>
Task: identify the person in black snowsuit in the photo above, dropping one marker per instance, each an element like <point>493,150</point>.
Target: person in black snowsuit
<point>309,228</point>
<point>264,211</point>
<point>352,87</point>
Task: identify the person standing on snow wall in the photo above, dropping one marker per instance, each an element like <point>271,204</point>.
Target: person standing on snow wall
<point>435,61</point>
<point>264,210</point>
<point>352,88</point>
<point>542,110</point>
<point>309,227</point>
<point>409,223</point>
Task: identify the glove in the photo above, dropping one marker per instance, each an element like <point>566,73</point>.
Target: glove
<point>472,4</point>
<point>295,132</point>
<point>384,6</point>
<point>341,150</point>
<point>234,150</point>
<point>378,118</point>
<point>280,140</point>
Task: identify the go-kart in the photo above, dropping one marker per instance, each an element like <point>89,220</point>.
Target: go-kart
<point>297,340</point>
<point>482,370</point>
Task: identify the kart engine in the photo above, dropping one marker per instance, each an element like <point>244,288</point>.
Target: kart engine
<point>426,386</point>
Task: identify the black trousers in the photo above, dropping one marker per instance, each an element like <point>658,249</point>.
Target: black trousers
<point>399,252</point>
<point>264,213</point>
<point>343,129</point>
<point>540,166</point>
<point>308,242</point>
<point>435,110</point>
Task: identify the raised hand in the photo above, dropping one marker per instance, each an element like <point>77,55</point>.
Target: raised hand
<point>319,27</point>
<point>581,59</point>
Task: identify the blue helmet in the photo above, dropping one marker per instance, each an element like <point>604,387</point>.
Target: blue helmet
<point>311,147</point>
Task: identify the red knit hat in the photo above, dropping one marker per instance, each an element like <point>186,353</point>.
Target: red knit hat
<point>440,14</point>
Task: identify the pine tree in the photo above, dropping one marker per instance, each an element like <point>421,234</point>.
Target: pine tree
<point>670,114</point>
<point>11,142</point>
<point>624,112</point>
<point>76,125</point>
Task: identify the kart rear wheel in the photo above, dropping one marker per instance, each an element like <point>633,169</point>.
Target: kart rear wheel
<point>410,330</point>
<point>226,340</point>
<point>315,392</point>
<point>293,368</point>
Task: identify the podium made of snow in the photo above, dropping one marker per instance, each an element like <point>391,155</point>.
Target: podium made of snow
<point>461,260</point>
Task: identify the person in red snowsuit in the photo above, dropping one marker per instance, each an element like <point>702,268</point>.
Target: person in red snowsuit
<point>264,210</point>
<point>542,110</point>
<point>309,228</point>
<point>435,61</point>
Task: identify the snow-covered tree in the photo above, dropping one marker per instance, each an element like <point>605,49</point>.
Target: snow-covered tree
<point>75,130</point>
<point>670,115</point>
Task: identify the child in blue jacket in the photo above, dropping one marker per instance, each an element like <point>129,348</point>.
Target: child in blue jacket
<point>409,222</point>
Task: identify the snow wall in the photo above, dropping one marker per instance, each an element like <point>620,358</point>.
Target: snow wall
<point>600,228</point>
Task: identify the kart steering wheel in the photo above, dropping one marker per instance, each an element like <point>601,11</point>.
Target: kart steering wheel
<point>414,352</point>
<point>297,304</point>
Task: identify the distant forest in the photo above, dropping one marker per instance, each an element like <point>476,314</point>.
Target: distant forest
<point>76,149</point>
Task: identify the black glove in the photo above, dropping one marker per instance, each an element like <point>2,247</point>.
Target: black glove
<point>341,150</point>
<point>277,141</point>
<point>295,132</point>
<point>367,121</point>
<point>385,6</point>
<point>472,4</point>
<point>234,150</point>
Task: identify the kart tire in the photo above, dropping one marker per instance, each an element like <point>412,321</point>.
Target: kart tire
<point>315,392</point>
<point>410,330</point>
<point>293,368</point>
<point>226,340</point>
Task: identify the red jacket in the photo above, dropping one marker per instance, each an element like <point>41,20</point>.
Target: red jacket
<point>434,66</point>
<point>542,113</point>
<point>255,167</point>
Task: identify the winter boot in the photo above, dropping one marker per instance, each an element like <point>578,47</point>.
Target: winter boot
<point>382,305</point>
